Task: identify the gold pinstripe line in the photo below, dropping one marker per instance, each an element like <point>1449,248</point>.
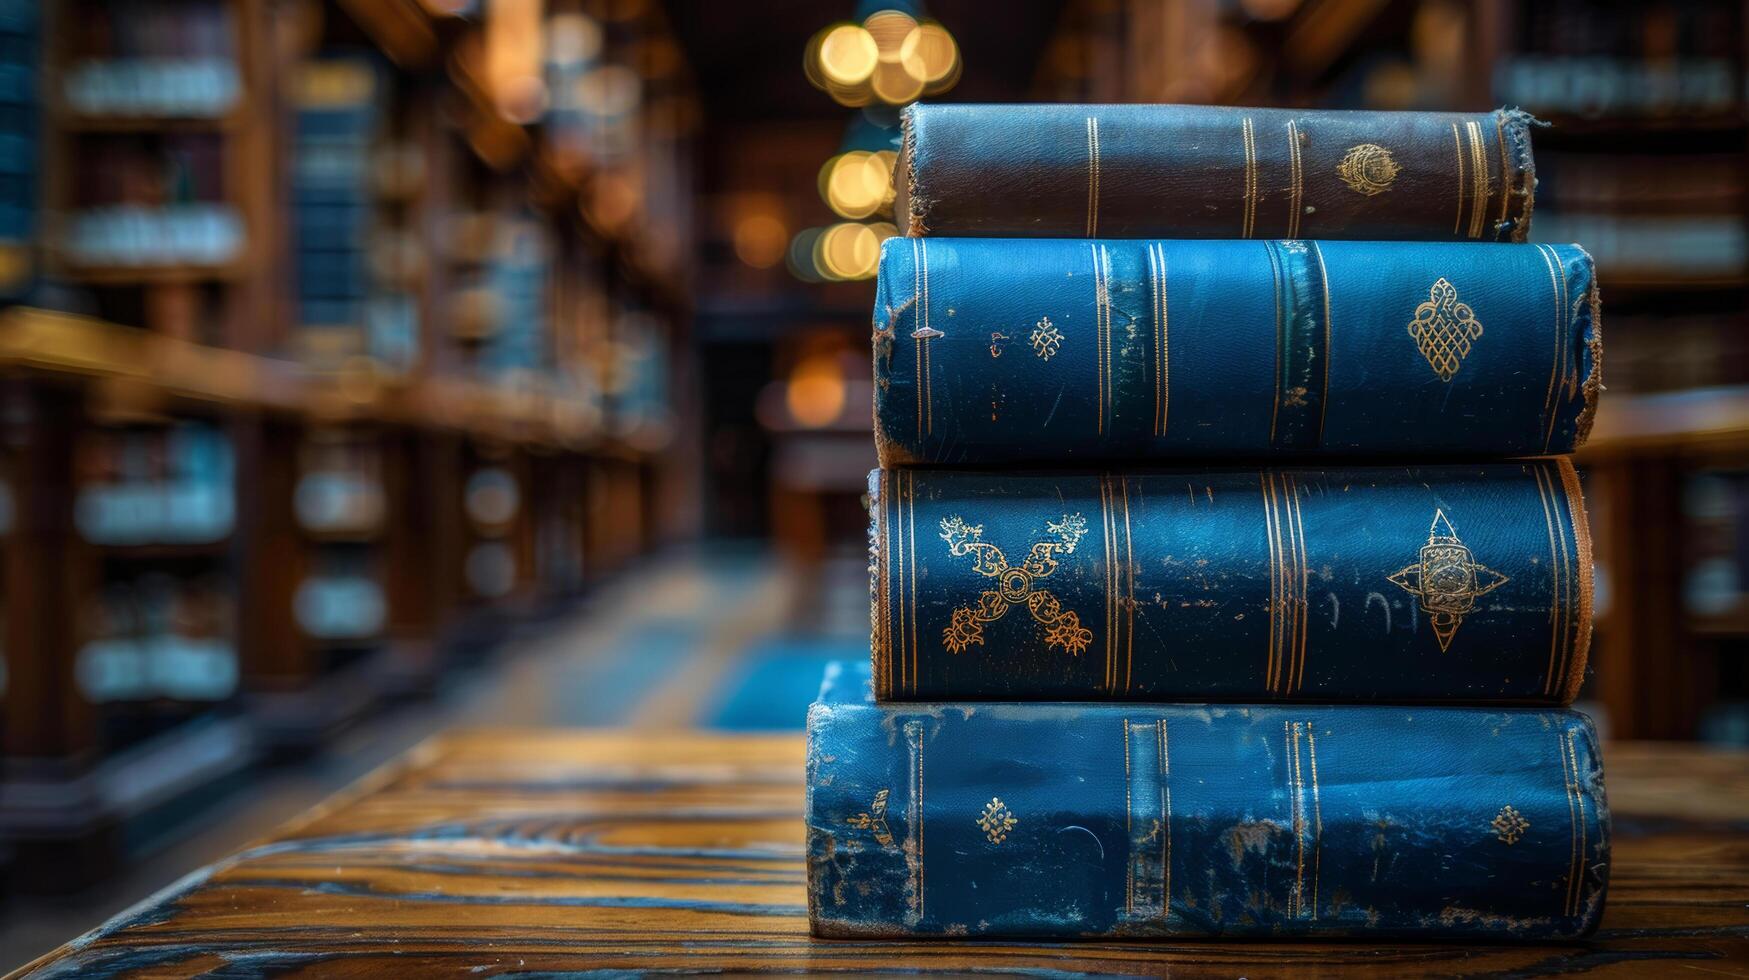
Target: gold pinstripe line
<point>1299,531</point>
<point>1166,831</point>
<point>1106,540</point>
<point>1248,221</point>
<point>920,865</point>
<point>1294,199</point>
<point>911,562</point>
<point>1165,345</point>
<point>1098,336</point>
<point>1324,405</point>
<point>1129,901</point>
<point>1275,403</point>
<point>917,342</point>
<point>1093,212</point>
<point>1297,786</point>
<point>1272,532</point>
<point>1092,174</point>
<point>1555,604</point>
<point>1505,170</point>
<point>1566,574</point>
<point>1317,820</point>
<point>1478,178</point>
<point>1559,300</point>
<point>1563,345</point>
<point>896,565</point>
<point>1584,828</point>
<point>1570,779</point>
<point>1130,604</point>
<point>928,379</point>
<point>1457,141</point>
<point>1105,278</point>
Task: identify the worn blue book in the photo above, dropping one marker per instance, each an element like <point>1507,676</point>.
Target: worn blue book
<point>1461,583</point>
<point>992,351</point>
<point>1179,171</point>
<point>1089,821</point>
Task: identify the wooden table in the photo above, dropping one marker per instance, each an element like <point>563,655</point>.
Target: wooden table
<point>499,853</point>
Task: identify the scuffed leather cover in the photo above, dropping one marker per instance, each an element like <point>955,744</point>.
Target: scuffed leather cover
<point>1132,171</point>
<point>1054,350</point>
<point>1464,583</point>
<point>1087,821</point>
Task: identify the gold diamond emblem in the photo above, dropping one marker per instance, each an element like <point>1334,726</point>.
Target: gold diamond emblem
<point>1509,825</point>
<point>1444,329</point>
<point>997,820</point>
<point>1447,579</point>
<point>1368,169</point>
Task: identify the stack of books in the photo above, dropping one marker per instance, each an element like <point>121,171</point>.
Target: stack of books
<point>1220,586</point>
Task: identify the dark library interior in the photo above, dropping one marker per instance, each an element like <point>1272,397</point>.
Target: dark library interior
<point>377,370</point>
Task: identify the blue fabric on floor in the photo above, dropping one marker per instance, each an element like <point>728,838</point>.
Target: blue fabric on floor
<point>776,680</point>
<point>608,691</point>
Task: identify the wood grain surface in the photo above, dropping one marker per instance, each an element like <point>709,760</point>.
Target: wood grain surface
<point>524,853</point>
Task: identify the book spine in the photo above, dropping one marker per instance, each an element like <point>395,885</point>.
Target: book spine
<point>1082,821</point>
<point>1133,171</point>
<point>1459,583</point>
<point>1048,350</point>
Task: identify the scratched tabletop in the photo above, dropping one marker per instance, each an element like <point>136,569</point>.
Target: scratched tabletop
<point>511,853</point>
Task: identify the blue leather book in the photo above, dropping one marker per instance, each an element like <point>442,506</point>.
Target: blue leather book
<point>1175,171</point>
<point>1090,821</point>
<point>1466,583</point>
<point>1049,350</point>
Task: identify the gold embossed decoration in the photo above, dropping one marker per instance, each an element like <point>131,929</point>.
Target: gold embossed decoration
<point>1444,329</point>
<point>1368,169</point>
<point>875,820</point>
<point>997,820</point>
<point>1509,825</point>
<point>1046,339</point>
<point>1447,579</point>
<point>1015,585</point>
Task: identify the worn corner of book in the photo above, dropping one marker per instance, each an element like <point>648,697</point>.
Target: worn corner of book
<point>1591,387</point>
<point>909,205</point>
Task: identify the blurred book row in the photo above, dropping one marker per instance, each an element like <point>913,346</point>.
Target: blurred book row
<point>339,346</point>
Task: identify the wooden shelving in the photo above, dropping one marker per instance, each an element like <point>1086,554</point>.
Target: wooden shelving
<point>231,349</point>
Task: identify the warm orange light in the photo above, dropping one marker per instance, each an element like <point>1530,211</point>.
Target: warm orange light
<point>761,239</point>
<point>889,29</point>
<point>515,44</point>
<point>855,184</point>
<point>815,392</point>
<point>847,251</point>
<point>848,55</point>
<point>895,84</point>
<point>931,51</point>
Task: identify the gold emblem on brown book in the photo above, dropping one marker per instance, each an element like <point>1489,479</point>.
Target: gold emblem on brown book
<point>875,820</point>
<point>1368,169</point>
<point>997,820</point>
<point>1046,339</point>
<point>1447,579</point>
<point>1509,825</point>
<point>1015,585</point>
<point>1444,329</point>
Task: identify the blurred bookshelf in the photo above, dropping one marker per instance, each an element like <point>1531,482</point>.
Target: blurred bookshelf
<point>344,339</point>
<point>1645,163</point>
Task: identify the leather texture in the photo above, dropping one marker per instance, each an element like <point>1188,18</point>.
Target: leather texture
<point>1134,171</point>
<point>1082,821</point>
<point>1055,350</point>
<point>1464,583</point>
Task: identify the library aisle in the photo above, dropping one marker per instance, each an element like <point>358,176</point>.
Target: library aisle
<point>727,639</point>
